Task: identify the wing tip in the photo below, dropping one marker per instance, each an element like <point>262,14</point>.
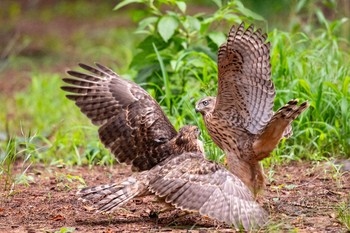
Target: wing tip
<point>85,66</point>
<point>70,72</point>
<point>305,104</point>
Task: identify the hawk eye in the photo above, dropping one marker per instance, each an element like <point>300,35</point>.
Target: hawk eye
<point>205,102</point>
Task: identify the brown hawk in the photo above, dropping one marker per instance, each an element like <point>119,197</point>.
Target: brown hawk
<point>240,119</point>
<point>171,165</point>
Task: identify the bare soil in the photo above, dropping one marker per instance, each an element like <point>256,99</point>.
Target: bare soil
<point>302,196</point>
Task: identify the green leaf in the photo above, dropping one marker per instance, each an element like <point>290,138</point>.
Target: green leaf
<point>146,23</point>
<point>344,106</point>
<point>205,50</point>
<point>305,85</point>
<point>217,37</point>
<point>66,230</point>
<point>192,23</point>
<point>322,18</point>
<point>141,60</point>
<point>145,73</point>
<point>165,78</point>
<point>181,6</point>
<point>126,2</point>
<point>218,3</point>
<point>71,178</point>
<point>167,26</point>
<point>147,44</point>
<point>300,5</point>
<point>345,87</point>
<point>248,12</point>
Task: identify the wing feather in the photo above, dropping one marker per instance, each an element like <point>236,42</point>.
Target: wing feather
<point>196,184</point>
<point>245,90</point>
<point>132,124</point>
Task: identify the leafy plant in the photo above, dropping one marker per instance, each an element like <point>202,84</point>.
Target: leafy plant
<point>344,214</point>
<point>66,230</point>
<point>176,60</point>
<point>16,147</point>
<point>65,181</point>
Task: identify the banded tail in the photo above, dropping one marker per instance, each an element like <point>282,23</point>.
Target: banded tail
<point>106,198</point>
<point>278,127</point>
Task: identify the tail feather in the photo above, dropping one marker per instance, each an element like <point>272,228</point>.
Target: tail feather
<point>290,112</point>
<point>278,127</point>
<point>288,132</point>
<point>106,198</point>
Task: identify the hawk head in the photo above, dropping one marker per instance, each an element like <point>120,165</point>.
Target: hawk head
<point>187,138</point>
<point>206,105</point>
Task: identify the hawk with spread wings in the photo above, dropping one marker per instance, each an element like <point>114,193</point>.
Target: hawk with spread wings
<point>170,164</point>
<point>240,120</point>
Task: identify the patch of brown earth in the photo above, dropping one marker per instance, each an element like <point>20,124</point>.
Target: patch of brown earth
<point>302,196</point>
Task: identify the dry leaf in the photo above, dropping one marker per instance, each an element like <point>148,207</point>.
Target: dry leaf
<point>108,230</point>
<point>58,218</point>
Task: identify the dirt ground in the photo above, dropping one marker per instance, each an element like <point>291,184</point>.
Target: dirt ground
<point>302,197</point>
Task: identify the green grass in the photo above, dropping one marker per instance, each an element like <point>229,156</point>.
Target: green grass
<point>344,214</point>
<point>16,148</point>
<point>306,64</point>
<point>63,134</point>
<point>313,67</point>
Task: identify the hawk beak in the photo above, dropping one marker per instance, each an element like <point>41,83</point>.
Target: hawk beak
<point>197,110</point>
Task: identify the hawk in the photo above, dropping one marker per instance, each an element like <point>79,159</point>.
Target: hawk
<point>169,164</point>
<point>240,120</point>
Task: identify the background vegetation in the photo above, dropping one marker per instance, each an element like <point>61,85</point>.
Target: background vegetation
<point>168,47</point>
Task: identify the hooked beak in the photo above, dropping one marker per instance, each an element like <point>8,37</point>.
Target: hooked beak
<point>197,110</point>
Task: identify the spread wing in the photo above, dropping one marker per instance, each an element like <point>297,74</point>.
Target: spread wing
<point>191,182</point>
<point>245,90</point>
<point>131,122</point>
